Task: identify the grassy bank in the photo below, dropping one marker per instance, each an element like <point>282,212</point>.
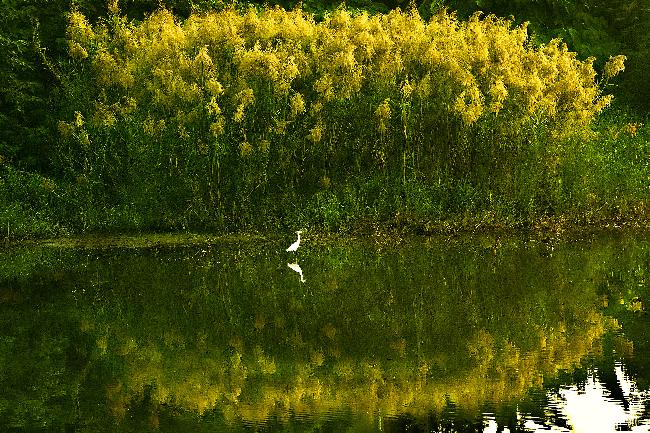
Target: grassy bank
<point>269,120</point>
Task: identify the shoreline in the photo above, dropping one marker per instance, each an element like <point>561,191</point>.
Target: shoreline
<point>546,229</point>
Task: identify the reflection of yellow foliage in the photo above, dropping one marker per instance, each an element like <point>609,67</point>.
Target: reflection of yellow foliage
<point>102,344</point>
<point>256,386</point>
<point>260,321</point>
<point>344,369</point>
<point>237,343</point>
<point>317,358</point>
<point>481,348</point>
<point>329,330</point>
<point>173,339</point>
<point>279,321</point>
<point>86,325</point>
<point>265,363</point>
<point>128,346</point>
<point>117,400</point>
<point>623,346</point>
<point>399,346</point>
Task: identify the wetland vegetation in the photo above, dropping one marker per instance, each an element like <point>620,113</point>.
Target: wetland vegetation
<point>164,148</point>
<point>225,118</point>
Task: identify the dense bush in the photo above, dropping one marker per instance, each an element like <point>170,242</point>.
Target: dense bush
<point>591,28</point>
<point>227,113</point>
<point>188,117</point>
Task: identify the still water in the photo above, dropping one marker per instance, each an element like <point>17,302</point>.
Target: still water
<point>476,334</point>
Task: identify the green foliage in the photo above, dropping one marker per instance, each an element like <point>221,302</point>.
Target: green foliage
<point>206,119</point>
<point>22,94</point>
<point>609,173</point>
<point>28,205</point>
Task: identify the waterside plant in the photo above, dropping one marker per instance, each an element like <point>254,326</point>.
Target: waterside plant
<point>232,120</point>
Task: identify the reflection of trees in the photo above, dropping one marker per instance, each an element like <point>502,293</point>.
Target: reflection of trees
<point>254,386</point>
<point>43,359</point>
<point>626,291</point>
<point>405,331</point>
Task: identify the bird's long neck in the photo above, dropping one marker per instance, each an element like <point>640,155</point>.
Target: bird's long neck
<point>298,238</point>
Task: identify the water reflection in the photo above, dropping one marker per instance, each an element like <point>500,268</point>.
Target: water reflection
<point>592,407</point>
<point>424,336</point>
<point>296,267</point>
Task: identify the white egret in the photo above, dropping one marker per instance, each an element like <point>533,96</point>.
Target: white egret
<point>294,246</point>
<point>296,267</point>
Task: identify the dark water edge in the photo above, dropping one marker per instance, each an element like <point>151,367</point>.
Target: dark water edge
<point>421,334</point>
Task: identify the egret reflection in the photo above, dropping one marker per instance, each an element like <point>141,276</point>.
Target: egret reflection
<point>296,267</point>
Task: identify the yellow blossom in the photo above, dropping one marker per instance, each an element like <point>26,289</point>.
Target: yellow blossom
<point>214,87</point>
<point>78,119</point>
<point>614,66</point>
<point>213,107</point>
<point>297,104</point>
<point>245,148</point>
<point>216,127</point>
<point>272,72</point>
<point>383,110</point>
<point>316,133</point>
<point>76,50</point>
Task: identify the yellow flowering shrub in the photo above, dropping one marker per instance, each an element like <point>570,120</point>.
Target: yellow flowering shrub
<point>353,86</point>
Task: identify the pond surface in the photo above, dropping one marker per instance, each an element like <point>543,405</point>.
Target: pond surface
<point>470,335</point>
